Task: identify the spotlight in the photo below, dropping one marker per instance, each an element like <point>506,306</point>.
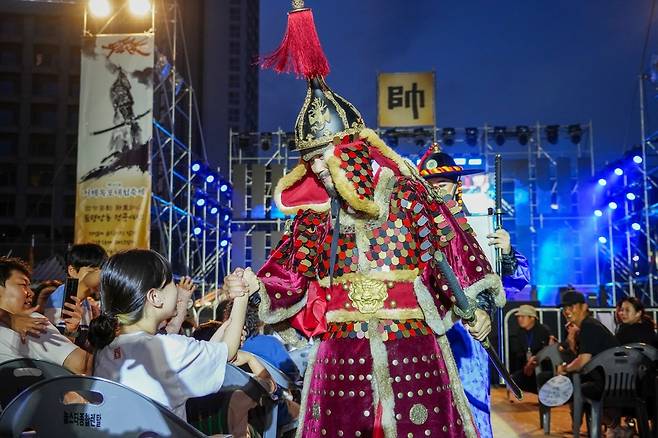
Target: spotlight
<point>552,132</point>
<point>636,258</point>
<point>290,140</point>
<point>448,136</point>
<point>471,136</point>
<point>419,135</point>
<point>200,202</point>
<point>554,204</point>
<point>460,161</point>
<point>619,171</point>
<point>227,217</point>
<point>637,159</point>
<point>602,182</point>
<point>475,161</point>
<point>575,133</point>
<point>603,240</point>
<point>390,138</point>
<point>598,213</point>
<point>197,230</point>
<point>523,134</point>
<point>210,179</point>
<point>139,7</point>
<point>635,226</point>
<point>223,188</point>
<point>214,209</point>
<point>196,167</point>
<point>631,196</point>
<point>499,135</point>
<point>612,205</point>
<point>99,8</point>
<point>223,243</point>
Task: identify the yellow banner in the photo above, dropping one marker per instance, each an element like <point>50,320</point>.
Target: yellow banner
<point>113,200</point>
<point>406,99</point>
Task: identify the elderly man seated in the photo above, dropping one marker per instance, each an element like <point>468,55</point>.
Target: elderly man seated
<point>27,334</point>
<point>531,338</point>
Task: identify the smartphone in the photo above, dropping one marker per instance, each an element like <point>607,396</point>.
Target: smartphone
<point>70,290</point>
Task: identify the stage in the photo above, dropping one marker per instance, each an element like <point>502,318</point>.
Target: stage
<point>521,418</point>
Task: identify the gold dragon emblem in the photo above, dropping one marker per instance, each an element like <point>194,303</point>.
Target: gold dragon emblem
<point>319,115</point>
<point>367,295</point>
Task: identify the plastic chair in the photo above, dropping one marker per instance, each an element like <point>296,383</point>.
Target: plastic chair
<point>622,367</point>
<point>284,382</point>
<point>552,353</point>
<point>19,374</point>
<point>208,413</point>
<point>650,353</point>
<point>110,409</point>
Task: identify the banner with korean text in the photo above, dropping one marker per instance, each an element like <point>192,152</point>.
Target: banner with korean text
<point>114,140</point>
<point>406,99</point>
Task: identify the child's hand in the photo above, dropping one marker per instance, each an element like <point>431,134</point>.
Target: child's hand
<point>252,281</point>
<point>25,324</point>
<point>72,314</point>
<point>186,286</point>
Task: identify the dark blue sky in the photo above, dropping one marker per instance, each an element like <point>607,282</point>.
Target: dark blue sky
<point>504,63</point>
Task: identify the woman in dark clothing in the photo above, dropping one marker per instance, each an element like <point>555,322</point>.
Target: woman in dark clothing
<point>636,325</point>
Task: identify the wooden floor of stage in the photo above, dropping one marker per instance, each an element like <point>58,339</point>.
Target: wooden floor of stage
<point>521,418</point>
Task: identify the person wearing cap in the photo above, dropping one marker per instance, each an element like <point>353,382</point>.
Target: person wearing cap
<point>593,338</point>
<point>358,270</point>
<point>440,170</point>
<point>530,339</point>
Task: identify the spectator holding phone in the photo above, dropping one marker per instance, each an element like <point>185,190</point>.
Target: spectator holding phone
<point>138,294</point>
<point>73,305</point>
<point>27,334</point>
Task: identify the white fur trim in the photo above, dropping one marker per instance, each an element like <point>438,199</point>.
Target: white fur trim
<point>491,282</point>
<point>438,325</point>
<point>381,384</point>
<point>306,388</point>
<point>269,316</point>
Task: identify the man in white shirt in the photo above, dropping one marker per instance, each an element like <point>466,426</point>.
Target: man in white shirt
<point>27,334</point>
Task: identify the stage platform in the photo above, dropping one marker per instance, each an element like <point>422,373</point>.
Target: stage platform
<point>521,418</point>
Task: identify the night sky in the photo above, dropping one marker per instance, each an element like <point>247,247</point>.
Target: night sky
<point>503,63</point>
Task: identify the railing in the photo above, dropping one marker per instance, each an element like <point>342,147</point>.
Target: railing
<point>605,315</point>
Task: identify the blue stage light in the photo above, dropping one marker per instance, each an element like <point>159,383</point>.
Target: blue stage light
<point>214,209</point>
<point>197,230</point>
<point>636,258</point>
<point>227,217</point>
<point>598,213</point>
<point>635,226</point>
<point>637,159</point>
<point>612,205</point>
<point>460,161</point>
<point>210,179</point>
<point>619,171</point>
<point>603,240</point>
<point>200,202</point>
<point>602,182</point>
<point>223,243</point>
<point>631,196</point>
<point>475,162</point>
<point>196,167</point>
<point>223,188</point>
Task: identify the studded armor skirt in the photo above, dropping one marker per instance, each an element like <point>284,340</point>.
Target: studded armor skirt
<point>383,378</point>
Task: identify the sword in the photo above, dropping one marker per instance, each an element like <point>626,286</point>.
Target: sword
<point>466,309</point>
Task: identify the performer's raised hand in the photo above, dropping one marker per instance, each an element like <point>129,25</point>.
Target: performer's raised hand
<point>500,239</point>
<point>235,285</point>
<point>252,281</point>
<point>482,326</point>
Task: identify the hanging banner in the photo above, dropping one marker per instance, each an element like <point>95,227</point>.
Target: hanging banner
<point>405,99</point>
<point>114,137</point>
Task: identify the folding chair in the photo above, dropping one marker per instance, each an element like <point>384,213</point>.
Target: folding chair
<point>623,367</point>
<point>19,374</point>
<point>106,409</point>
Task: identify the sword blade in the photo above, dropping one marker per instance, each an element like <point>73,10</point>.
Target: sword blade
<point>502,371</point>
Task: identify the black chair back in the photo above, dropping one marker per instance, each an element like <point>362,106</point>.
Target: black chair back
<point>622,367</point>
<point>19,374</point>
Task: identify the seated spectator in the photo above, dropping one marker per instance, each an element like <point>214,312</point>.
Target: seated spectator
<point>532,337</point>
<point>138,295</point>
<point>27,334</point>
<point>83,263</point>
<point>636,325</point>
<point>593,338</point>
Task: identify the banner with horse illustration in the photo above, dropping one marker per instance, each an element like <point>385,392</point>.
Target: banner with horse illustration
<point>114,140</point>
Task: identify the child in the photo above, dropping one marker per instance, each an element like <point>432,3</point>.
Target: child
<point>83,263</point>
<point>137,295</point>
